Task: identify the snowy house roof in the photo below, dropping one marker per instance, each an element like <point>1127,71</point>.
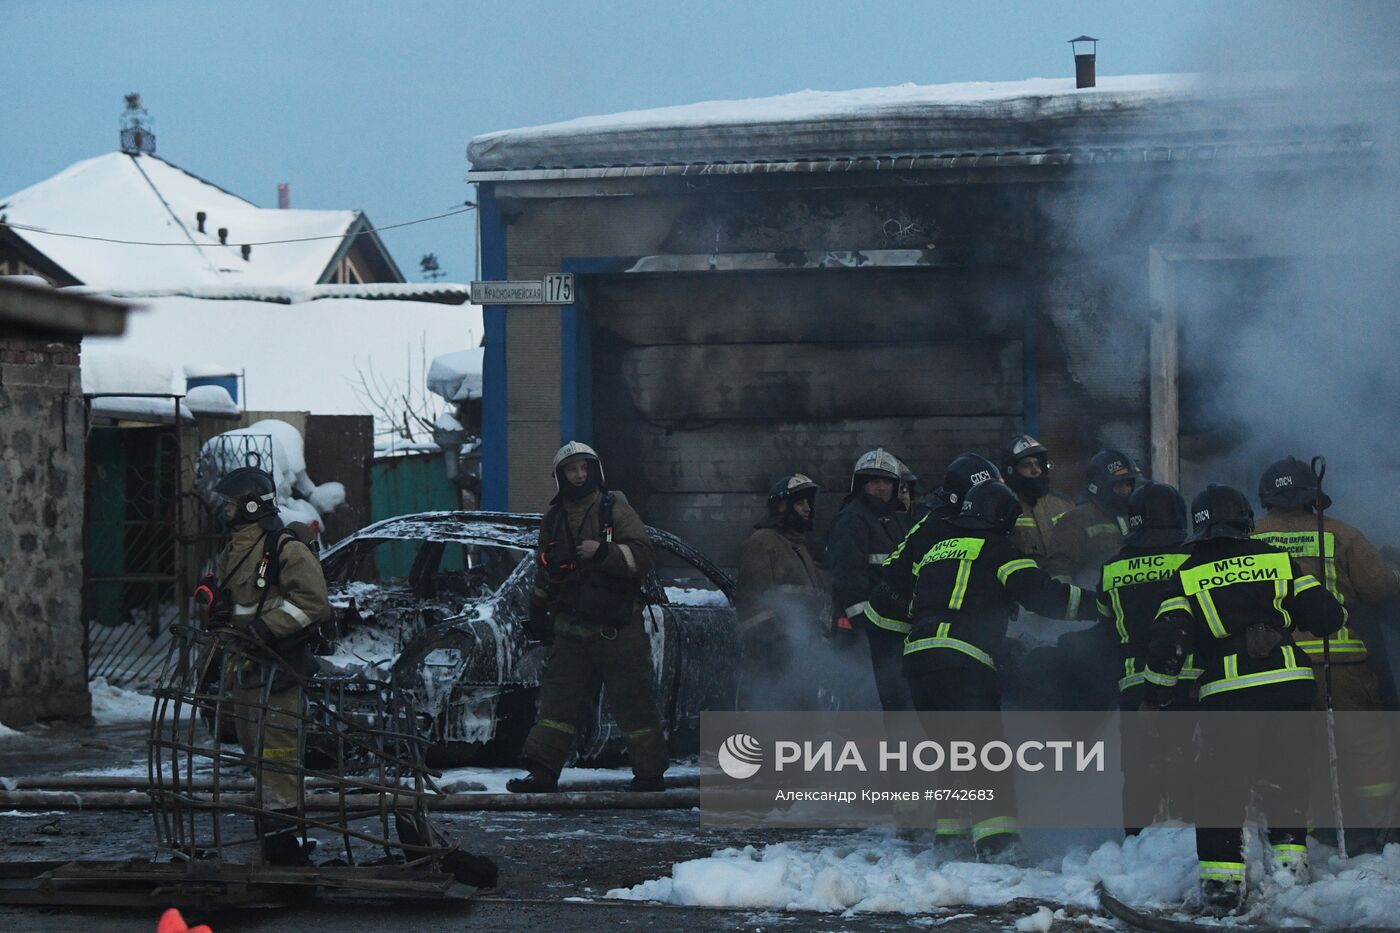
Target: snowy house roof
<point>141,197</point>
<point>1037,121</point>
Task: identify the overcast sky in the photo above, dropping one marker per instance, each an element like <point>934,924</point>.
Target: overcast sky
<point>371,105</point>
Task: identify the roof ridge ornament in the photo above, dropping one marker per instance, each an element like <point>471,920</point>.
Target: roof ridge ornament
<point>136,134</point>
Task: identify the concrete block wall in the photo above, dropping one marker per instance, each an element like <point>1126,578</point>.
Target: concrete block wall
<point>43,673</point>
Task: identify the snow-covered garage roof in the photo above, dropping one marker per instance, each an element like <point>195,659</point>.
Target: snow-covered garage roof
<point>1036,121</point>
<point>141,197</point>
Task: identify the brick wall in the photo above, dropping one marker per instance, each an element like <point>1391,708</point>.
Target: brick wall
<point>42,669</point>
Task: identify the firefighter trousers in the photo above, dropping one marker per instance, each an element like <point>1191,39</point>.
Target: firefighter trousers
<point>940,680</point>
<point>269,736</point>
<point>1220,849</point>
<point>887,661</point>
<point>581,659</point>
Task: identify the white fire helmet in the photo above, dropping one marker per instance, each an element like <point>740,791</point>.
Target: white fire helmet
<point>876,464</point>
<point>572,451</point>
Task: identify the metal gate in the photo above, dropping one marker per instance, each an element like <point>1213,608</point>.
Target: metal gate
<point>150,534</point>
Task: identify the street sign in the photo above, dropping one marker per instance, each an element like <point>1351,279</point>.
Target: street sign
<point>508,293</point>
<point>555,289</point>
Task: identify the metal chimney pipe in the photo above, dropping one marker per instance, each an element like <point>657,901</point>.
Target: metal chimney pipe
<point>284,196</point>
<point>223,236</point>
<point>1084,60</point>
<point>199,219</point>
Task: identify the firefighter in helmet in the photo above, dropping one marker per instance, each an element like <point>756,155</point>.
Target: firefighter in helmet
<point>1360,578</point>
<point>1026,468</point>
<point>955,582</point>
<point>268,584</point>
<point>592,557</point>
<point>781,600</point>
<point>1232,609</point>
<point>1132,585</point>
<point>864,533</point>
<point>1093,531</point>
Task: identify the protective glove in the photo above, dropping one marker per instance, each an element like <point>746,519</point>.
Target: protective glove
<point>842,630</point>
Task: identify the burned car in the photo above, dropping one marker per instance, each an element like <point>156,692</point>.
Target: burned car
<point>435,604</point>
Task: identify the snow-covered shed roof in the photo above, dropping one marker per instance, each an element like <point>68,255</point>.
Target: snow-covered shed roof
<point>1036,121</point>
<point>141,197</point>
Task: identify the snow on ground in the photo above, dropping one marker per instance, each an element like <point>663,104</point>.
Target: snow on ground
<point>112,704</point>
<point>493,780</point>
<point>876,873</point>
<point>31,813</point>
<point>685,596</point>
<point>7,733</point>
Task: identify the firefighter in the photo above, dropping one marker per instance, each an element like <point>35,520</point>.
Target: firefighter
<point>1355,573</point>
<point>863,534</point>
<point>1026,466</point>
<point>1233,607</point>
<point>587,605</point>
<point>964,579</point>
<point>269,585</point>
<point>1132,586</point>
<point>911,495</point>
<point>781,600</point>
<point>1093,531</point>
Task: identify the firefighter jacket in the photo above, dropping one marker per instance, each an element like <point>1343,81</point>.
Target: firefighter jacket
<point>863,535</point>
<point>294,595</point>
<point>1131,589</point>
<point>1037,522</point>
<point>1083,540</point>
<point>606,589</point>
<point>954,591</point>
<point>778,577</point>
<point>1233,607</point>
<point>1353,571</point>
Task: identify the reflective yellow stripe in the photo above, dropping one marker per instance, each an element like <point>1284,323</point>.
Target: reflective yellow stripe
<point>1189,671</point>
<point>950,827</point>
<point>558,726</point>
<point>1280,594</point>
<point>1011,566</point>
<point>889,625</point>
<point>1072,605</point>
<point>1373,791</point>
<point>899,548</point>
<point>941,640</point>
<point>1054,519</point>
<point>878,558</point>
<point>279,752</point>
<point>1158,680</point>
<point>1120,622</point>
<point>996,826</point>
<point>1290,853</point>
<point>1350,646</point>
<point>1132,680</point>
<point>1025,521</point>
<point>1222,871</point>
<point>1175,604</point>
<point>1234,680</point>
<point>1213,622</point>
<point>1304,583</point>
<point>1094,531</point>
<point>955,601</point>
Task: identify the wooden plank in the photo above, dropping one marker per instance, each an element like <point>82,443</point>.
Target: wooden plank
<point>1163,369</point>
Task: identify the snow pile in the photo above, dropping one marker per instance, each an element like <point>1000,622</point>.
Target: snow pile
<point>111,704</point>
<point>211,400</point>
<point>1156,870</point>
<point>302,357</point>
<point>457,376</point>
<point>113,371</point>
<point>1038,922</point>
<point>7,733</point>
<point>446,423</point>
<point>208,370</point>
<point>298,498</point>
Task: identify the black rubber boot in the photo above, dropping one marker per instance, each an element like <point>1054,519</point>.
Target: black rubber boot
<point>539,781</point>
<point>281,844</point>
<point>652,784</point>
<point>1222,898</point>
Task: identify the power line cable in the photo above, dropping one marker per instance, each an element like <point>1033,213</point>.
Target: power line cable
<point>340,236</point>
